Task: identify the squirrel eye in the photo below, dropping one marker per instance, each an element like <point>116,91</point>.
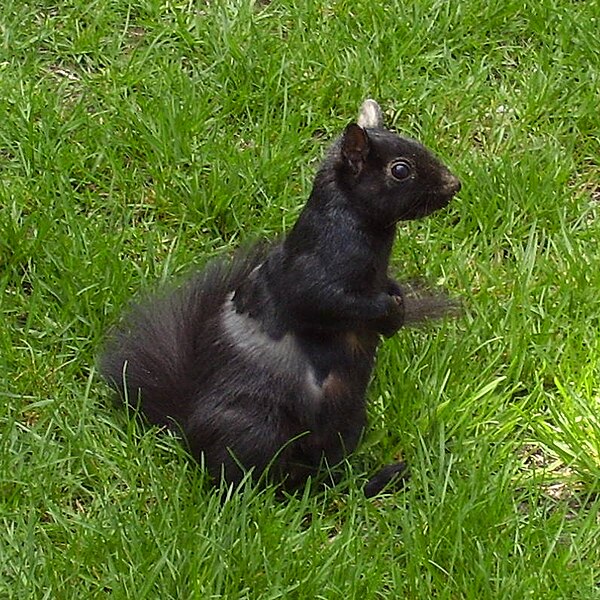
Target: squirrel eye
<point>400,170</point>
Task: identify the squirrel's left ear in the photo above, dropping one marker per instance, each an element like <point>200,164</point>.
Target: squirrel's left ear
<point>370,115</point>
<point>355,147</point>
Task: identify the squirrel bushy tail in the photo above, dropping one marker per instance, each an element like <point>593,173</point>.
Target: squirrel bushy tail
<point>154,356</point>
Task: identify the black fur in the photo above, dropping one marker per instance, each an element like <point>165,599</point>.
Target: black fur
<point>264,361</point>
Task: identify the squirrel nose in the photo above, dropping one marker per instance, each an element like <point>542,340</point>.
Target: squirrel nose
<point>452,183</point>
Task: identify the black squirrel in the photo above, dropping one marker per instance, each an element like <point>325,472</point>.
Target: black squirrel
<point>262,362</point>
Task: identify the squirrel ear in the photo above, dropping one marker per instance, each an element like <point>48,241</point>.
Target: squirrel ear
<point>370,115</point>
<point>355,147</point>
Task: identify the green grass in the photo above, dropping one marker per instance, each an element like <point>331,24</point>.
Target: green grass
<point>140,139</point>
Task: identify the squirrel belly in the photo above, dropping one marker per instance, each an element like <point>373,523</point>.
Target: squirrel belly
<point>262,363</point>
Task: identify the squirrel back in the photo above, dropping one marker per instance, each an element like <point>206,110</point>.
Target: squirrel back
<point>263,361</point>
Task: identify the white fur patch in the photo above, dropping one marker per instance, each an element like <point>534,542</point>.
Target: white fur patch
<point>280,356</point>
<point>370,115</point>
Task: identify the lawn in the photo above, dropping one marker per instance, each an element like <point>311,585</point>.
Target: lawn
<point>140,139</point>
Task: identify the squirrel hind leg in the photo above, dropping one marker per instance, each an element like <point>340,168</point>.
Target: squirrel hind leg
<point>392,477</point>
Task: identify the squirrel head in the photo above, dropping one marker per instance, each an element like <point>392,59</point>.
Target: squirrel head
<point>387,177</point>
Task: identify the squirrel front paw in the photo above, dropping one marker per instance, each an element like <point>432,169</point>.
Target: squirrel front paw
<point>394,318</point>
<point>393,287</point>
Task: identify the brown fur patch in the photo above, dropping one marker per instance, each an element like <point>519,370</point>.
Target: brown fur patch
<point>334,386</point>
<point>361,343</point>
<point>354,343</point>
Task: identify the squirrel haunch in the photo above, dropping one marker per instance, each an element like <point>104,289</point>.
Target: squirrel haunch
<point>263,362</point>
